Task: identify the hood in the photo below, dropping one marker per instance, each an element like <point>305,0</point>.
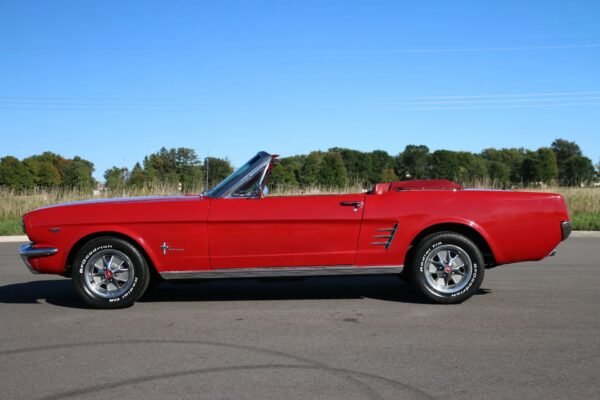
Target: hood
<point>120,200</point>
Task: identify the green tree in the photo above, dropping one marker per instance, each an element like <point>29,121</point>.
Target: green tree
<point>15,174</point>
<point>445,164</point>
<point>48,176</point>
<point>531,172</point>
<point>52,170</point>
<point>283,175</point>
<point>573,168</point>
<point>295,163</point>
<point>309,173</point>
<point>332,171</point>
<point>578,171</point>
<point>137,178</point>
<point>77,173</point>
<point>177,166</point>
<point>413,162</point>
<point>58,161</point>
<point>188,168</point>
<point>162,166</point>
<point>513,158</point>
<point>499,173</point>
<point>46,169</point>
<point>564,150</point>
<point>359,167</point>
<point>388,175</point>
<point>381,164</point>
<point>471,168</point>
<point>216,169</point>
<point>116,178</point>
<point>548,166</point>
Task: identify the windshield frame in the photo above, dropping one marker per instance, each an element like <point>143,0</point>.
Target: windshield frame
<point>257,164</point>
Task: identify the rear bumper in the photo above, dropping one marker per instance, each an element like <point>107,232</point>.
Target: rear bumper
<point>27,251</point>
<point>565,227</point>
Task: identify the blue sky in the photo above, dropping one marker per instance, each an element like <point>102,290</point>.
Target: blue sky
<point>113,81</point>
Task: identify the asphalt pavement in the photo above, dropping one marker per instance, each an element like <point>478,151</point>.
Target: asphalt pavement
<point>532,332</point>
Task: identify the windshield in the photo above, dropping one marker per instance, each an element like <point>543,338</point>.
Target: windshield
<point>240,173</point>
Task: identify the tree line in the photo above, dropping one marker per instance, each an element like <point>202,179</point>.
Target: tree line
<point>180,166</point>
<point>46,171</point>
<point>561,163</point>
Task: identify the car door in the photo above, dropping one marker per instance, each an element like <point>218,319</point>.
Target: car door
<point>284,231</point>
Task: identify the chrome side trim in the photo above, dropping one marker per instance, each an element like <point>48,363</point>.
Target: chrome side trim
<point>282,272</point>
<point>27,250</point>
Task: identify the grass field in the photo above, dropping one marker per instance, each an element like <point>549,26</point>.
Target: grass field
<point>584,207</point>
<point>583,203</point>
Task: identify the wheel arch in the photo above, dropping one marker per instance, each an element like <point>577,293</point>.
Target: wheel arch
<point>473,234</point>
<point>85,239</point>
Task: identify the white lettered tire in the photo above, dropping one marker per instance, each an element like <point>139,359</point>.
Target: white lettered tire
<point>447,268</point>
<point>109,272</point>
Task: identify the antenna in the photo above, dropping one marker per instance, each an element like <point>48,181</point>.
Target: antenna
<point>207,169</point>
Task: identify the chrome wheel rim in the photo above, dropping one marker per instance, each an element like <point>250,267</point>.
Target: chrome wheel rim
<point>448,269</point>
<point>109,274</point>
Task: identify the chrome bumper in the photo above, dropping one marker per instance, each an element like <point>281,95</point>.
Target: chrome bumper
<point>27,250</point>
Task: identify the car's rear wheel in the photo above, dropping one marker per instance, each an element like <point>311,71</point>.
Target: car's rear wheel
<point>110,272</point>
<point>447,268</point>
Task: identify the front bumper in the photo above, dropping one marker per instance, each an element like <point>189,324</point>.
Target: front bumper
<point>27,251</point>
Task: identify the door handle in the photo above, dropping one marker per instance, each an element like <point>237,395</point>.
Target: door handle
<point>355,204</point>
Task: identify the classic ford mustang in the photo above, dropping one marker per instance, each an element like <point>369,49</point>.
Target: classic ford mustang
<point>434,233</point>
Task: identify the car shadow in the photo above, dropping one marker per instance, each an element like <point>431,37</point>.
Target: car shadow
<point>321,288</point>
<point>60,292</point>
<point>386,288</point>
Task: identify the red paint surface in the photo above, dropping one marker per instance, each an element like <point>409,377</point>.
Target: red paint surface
<point>299,230</point>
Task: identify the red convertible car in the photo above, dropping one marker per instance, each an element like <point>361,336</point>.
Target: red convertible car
<point>438,235</point>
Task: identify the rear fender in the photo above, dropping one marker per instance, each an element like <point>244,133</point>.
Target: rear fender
<point>439,225</point>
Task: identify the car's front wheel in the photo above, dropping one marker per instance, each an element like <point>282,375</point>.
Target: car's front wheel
<point>447,268</point>
<point>110,272</point>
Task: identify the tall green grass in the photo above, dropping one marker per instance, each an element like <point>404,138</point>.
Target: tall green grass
<point>13,205</point>
<point>583,203</point>
<point>584,207</point>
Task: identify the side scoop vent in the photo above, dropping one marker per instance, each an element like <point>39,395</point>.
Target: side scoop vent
<point>384,236</point>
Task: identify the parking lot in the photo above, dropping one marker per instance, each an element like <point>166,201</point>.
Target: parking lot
<point>532,332</point>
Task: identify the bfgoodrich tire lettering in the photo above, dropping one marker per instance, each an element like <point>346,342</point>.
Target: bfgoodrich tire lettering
<point>110,272</point>
<point>447,268</point>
